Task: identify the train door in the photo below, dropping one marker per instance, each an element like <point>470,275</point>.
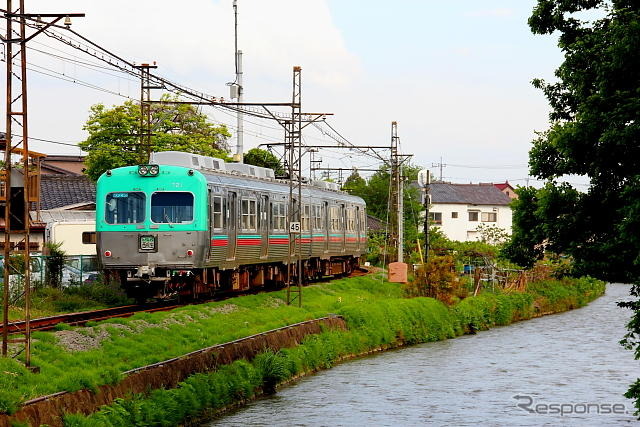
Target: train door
<point>232,221</point>
<point>325,222</point>
<point>294,237</point>
<point>263,227</point>
<point>210,223</point>
<point>343,221</point>
<point>358,228</point>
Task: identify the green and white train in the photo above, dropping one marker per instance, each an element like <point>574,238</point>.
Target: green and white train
<point>190,225</point>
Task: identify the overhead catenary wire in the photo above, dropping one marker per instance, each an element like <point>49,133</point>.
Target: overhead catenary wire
<point>113,62</point>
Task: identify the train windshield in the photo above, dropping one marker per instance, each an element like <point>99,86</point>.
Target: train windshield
<point>171,207</point>
<point>125,208</point>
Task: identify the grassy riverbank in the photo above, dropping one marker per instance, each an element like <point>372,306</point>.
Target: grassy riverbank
<point>48,301</point>
<point>376,313</point>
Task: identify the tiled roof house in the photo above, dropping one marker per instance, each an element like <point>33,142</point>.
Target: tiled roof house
<point>75,192</point>
<point>458,209</point>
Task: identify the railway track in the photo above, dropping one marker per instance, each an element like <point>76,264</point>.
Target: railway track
<point>80,318</point>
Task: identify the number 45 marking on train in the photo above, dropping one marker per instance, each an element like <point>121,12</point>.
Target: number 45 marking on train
<point>294,227</point>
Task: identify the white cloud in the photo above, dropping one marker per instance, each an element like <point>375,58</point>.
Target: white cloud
<point>192,43</point>
<point>196,37</point>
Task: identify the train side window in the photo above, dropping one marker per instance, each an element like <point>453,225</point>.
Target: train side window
<point>217,212</point>
<point>350,220</point>
<point>325,215</point>
<point>316,212</point>
<point>249,213</point>
<point>278,216</point>
<point>305,217</point>
<point>335,218</point>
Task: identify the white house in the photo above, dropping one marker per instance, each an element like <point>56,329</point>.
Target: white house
<point>458,209</point>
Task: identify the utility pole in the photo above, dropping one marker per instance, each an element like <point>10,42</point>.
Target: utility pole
<point>396,218</point>
<point>237,90</point>
<point>16,114</point>
<point>424,179</point>
<point>144,151</point>
<point>294,144</point>
<point>439,165</point>
<point>396,195</point>
<point>313,162</point>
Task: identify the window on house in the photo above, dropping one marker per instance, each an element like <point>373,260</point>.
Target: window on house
<point>454,214</point>
<point>489,216</point>
<point>89,237</point>
<point>435,217</point>
<point>473,215</point>
<point>249,214</point>
<point>278,216</point>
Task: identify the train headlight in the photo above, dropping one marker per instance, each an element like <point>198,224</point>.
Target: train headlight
<point>148,170</point>
<point>189,252</point>
<point>107,254</point>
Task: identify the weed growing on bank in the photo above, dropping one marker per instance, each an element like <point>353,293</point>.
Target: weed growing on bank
<point>376,314</point>
<point>377,324</point>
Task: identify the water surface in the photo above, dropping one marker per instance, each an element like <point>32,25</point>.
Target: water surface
<point>568,360</point>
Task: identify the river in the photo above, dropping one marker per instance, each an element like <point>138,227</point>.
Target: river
<point>562,369</point>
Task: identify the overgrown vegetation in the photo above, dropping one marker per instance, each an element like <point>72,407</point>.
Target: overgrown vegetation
<point>54,263</point>
<point>378,323</point>
<point>47,301</point>
<point>376,312</point>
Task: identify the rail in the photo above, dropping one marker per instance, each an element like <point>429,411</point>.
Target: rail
<point>80,318</point>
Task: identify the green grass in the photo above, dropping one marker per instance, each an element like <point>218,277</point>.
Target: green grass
<point>49,301</point>
<point>375,311</point>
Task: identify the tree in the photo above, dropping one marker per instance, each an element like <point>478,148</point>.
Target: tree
<point>265,159</point>
<point>375,193</point>
<point>177,127</point>
<point>594,132</point>
<point>354,184</point>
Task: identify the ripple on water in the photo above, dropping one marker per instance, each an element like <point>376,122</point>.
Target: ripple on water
<point>571,358</point>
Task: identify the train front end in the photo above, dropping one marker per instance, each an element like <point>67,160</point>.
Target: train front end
<point>152,227</point>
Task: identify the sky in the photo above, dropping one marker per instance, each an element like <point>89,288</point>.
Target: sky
<point>455,75</point>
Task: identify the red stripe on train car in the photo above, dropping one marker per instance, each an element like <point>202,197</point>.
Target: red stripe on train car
<point>278,241</point>
<point>249,242</point>
<point>219,242</point>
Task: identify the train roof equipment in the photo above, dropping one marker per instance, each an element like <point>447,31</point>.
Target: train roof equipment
<point>212,164</point>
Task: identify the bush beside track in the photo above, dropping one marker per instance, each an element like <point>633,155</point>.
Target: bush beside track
<point>377,315</point>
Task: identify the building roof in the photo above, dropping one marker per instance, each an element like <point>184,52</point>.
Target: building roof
<point>61,215</point>
<point>501,186</point>
<point>471,194</point>
<point>375,225</point>
<point>57,191</point>
<point>61,164</point>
